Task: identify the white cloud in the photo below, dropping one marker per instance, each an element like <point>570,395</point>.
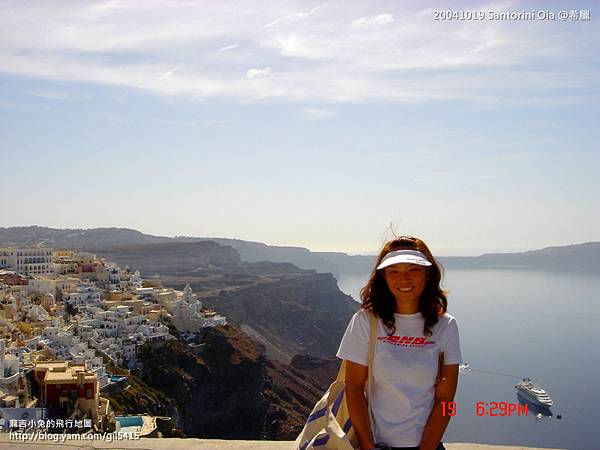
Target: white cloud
<point>229,47</point>
<point>253,73</point>
<point>172,71</point>
<point>320,53</point>
<point>291,17</point>
<point>380,19</point>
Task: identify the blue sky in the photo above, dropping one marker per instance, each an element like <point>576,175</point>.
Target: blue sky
<point>302,123</point>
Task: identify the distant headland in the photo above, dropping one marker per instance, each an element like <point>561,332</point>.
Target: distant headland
<point>584,257</point>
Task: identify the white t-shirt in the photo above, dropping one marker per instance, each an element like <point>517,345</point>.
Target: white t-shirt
<point>405,366</point>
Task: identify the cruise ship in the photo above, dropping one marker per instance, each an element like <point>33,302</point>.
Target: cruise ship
<point>534,393</point>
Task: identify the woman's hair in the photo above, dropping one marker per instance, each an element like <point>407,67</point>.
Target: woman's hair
<point>377,298</point>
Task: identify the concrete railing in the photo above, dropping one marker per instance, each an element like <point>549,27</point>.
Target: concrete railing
<point>13,443</point>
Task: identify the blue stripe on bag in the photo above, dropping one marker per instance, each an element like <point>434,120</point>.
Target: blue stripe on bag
<point>337,403</point>
<point>334,409</point>
<point>320,413</point>
<point>315,416</point>
<point>347,425</point>
<point>321,441</point>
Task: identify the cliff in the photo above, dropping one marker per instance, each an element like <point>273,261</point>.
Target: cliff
<point>289,310</point>
<point>293,314</point>
<point>229,389</point>
<point>171,258</point>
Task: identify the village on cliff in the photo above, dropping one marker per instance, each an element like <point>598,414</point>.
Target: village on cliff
<point>71,325</point>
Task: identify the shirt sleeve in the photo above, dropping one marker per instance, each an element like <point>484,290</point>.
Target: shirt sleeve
<point>451,348</point>
<point>355,343</point>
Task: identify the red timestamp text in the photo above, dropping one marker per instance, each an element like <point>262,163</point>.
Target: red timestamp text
<point>448,409</point>
<point>489,409</point>
<point>501,409</point>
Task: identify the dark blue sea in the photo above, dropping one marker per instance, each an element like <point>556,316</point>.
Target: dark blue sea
<point>524,323</point>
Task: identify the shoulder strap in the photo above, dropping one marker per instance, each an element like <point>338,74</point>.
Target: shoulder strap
<point>341,376</point>
<point>441,375</point>
<point>372,341</point>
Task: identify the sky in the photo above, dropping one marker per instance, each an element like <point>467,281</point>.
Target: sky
<point>328,125</point>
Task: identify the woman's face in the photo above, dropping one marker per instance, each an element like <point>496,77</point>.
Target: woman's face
<point>406,282</point>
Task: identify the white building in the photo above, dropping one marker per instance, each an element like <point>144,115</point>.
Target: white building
<point>9,370</point>
<point>188,316</point>
<point>145,292</point>
<point>109,275</point>
<point>84,295</point>
<point>212,319</point>
<point>135,281</point>
<point>83,257</point>
<point>36,313</point>
<point>48,301</point>
<point>42,286</point>
<point>190,297</point>
<point>27,261</point>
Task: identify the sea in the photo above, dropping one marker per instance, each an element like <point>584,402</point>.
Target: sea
<point>517,323</point>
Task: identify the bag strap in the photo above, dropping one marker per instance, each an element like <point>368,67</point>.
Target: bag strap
<point>341,376</point>
<point>372,343</point>
<point>441,375</point>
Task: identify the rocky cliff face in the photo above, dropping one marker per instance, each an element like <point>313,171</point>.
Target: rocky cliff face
<point>228,390</point>
<point>218,393</point>
<point>289,310</point>
<point>293,314</point>
<point>171,258</point>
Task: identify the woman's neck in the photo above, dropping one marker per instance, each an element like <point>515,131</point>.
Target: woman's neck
<point>406,308</point>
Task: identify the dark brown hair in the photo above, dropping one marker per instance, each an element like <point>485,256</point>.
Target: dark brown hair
<point>377,298</point>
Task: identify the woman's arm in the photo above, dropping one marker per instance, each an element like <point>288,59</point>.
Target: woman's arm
<point>356,378</point>
<point>437,423</point>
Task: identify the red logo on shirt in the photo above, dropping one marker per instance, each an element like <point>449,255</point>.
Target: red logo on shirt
<point>405,341</point>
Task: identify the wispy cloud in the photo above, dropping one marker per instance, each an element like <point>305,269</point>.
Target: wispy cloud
<point>253,73</point>
<point>172,71</point>
<point>291,17</point>
<point>350,52</point>
<point>367,22</point>
<point>228,47</point>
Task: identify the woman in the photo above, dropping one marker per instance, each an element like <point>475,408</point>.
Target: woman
<point>413,329</point>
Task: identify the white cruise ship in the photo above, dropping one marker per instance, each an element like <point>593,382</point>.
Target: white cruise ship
<point>534,393</point>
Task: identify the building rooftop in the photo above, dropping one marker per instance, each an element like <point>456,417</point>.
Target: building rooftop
<point>63,371</point>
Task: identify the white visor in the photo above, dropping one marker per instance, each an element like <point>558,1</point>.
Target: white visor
<point>404,257</point>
